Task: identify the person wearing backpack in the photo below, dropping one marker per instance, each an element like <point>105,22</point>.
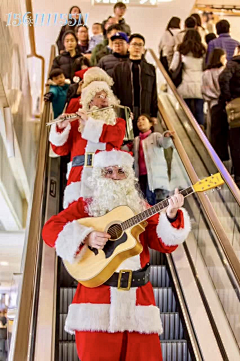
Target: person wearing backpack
<point>167,42</point>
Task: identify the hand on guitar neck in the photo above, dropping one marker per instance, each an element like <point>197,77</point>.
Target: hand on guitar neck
<point>174,203</point>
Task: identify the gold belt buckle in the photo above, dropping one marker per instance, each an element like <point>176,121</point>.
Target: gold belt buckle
<point>129,279</point>
<point>88,161</point>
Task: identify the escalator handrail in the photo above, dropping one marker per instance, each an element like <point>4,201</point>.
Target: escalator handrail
<point>224,242</point>
<point>26,299</point>
<point>212,154</point>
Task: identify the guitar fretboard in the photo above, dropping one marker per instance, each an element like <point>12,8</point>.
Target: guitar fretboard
<point>151,211</point>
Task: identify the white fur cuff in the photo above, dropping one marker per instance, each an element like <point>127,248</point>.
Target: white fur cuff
<point>57,138</point>
<point>69,240</point>
<point>169,235</point>
<point>92,130</point>
<point>71,193</point>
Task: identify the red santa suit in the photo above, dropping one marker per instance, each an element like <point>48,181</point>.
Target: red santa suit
<point>108,322</point>
<point>95,136</point>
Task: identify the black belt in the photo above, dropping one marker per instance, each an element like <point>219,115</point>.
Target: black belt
<point>126,279</point>
<point>85,159</point>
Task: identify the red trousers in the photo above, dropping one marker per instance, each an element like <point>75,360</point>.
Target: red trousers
<point>126,346</point>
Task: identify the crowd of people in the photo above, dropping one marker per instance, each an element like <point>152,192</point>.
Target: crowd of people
<point>204,66</point>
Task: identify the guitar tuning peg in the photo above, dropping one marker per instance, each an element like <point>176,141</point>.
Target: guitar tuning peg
<point>218,188</point>
<point>212,190</point>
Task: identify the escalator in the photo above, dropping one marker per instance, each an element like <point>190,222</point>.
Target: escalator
<point>197,287</point>
<point>174,340</point>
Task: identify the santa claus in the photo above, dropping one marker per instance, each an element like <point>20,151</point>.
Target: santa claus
<point>111,324</point>
<point>84,137</point>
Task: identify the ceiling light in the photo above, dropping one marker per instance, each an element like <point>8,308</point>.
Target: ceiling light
<point>4,263</point>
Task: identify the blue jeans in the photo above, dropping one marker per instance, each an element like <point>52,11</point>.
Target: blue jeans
<point>143,182</point>
<point>196,107</point>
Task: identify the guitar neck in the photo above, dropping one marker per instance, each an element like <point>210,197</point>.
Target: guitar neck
<point>157,208</point>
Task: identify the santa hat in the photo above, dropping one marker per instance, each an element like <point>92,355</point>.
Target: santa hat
<point>113,158</point>
<point>96,74</point>
<point>79,75</point>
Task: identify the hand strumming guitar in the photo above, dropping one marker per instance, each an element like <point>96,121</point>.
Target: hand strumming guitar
<point>97,239</point>
<point>175,202</point>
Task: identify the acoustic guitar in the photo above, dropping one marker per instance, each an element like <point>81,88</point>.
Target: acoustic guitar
<point>97,266</point>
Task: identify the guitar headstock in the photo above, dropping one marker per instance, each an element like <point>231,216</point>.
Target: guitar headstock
<point>211,182</point>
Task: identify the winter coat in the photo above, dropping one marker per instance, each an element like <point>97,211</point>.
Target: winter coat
<point>59,98</point>
<point>229,80</point>
<point>95,57</point>
<point>109,62</point>
<point>68,64</point>
<point>167,43</point>
<point>106,308</point>
<point>157,172</point>
<point>125,27</point>
<point>191,84</point>
<point>210,85</point>
<point>95,136</point>
<point>123,86</point>
<point>62,31</point>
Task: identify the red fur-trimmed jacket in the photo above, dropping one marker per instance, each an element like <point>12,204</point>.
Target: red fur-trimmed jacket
<point>106,308</point>
<point>96,136</point>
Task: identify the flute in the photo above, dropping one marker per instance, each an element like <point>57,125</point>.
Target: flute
<point>74,116</point>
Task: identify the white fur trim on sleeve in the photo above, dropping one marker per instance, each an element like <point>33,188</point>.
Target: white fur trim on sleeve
<point>92,130</point>
<point>57,138</point>
<point>69,240</point>
<point>71,193</point>
<point>169,235</point>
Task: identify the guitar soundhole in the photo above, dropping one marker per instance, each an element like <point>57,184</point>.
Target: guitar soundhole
<point>115,231</point>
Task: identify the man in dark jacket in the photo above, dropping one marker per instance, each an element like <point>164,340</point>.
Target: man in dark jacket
<point>119,10</point>
<point>120,53</point>
<point>229,81</point>
<point>104,48</point>
<point>135,82</point>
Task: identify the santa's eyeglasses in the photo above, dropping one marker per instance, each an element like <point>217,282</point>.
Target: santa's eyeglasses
<point>113,170</point>
<point>101,96</point>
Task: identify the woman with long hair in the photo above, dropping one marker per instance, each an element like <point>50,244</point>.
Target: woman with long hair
<point>217,125</point>
<point>167,42</point>
<point>203,32</point>
<point>75,18</point>
<point>70,60</point>
<point>191,53</point>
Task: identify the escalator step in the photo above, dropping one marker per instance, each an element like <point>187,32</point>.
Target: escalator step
<point>159,276</point>
<point>157,258</point>
<point>67,351</point>
<point>172,326</point>
<point>171,351</point>
<point>165,299</point>
<point>63,335</point>
<point>175,351</point>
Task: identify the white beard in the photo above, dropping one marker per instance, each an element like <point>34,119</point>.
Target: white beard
<point>109,194</point>
<point>108,116</point>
